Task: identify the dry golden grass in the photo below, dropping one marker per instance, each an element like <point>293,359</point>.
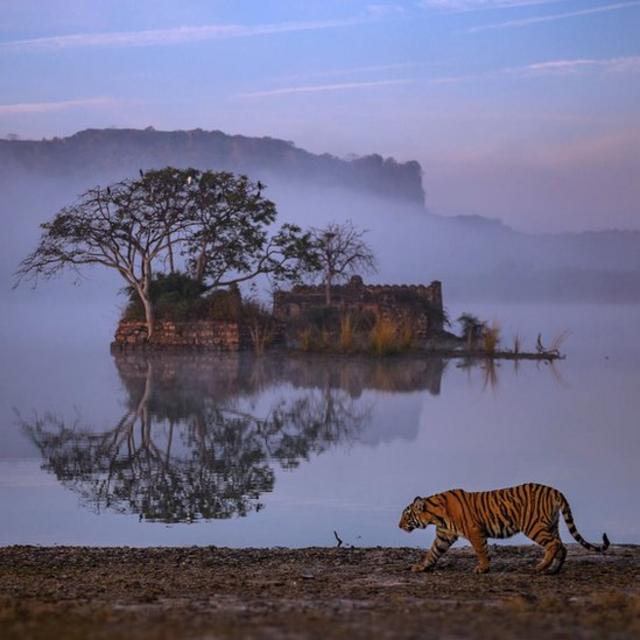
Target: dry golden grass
<point>347,333</point>
<point>491,337</point>
<point>384,336</point>
<point>305,339</point>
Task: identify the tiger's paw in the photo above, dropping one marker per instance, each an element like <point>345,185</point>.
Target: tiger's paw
<point>481,568</point>
<point>417,568</point>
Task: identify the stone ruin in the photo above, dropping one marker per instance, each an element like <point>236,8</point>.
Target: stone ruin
<point>418,307</point>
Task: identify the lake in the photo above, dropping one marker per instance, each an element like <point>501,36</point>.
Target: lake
<point>233,450</point>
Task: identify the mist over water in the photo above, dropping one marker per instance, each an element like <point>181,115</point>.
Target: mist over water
<point>320,443</point>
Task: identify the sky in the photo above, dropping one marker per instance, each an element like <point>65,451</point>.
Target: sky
<point>522,110</point>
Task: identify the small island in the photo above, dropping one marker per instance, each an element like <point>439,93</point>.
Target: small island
<point>186,242</point>
<point>361,318</point>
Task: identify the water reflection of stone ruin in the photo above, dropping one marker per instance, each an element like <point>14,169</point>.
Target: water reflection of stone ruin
<point>233,374</point>
<point>190,446</point>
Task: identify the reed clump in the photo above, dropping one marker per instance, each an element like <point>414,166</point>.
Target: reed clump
<point>558,341</point>
<point>517,344</point>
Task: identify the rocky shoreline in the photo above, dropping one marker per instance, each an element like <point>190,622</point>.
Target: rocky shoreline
<point>209,592</point>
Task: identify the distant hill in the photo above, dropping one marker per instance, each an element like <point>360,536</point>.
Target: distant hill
<point>476,258</point>
<point>116,153</point>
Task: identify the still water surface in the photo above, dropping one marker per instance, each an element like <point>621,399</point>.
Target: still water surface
<point>283,450</point>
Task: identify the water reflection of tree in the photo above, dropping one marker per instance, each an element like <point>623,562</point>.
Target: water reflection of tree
<point>188,446</point>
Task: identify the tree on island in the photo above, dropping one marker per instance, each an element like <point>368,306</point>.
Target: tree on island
<point>340,252</point>
<point>217,225</point>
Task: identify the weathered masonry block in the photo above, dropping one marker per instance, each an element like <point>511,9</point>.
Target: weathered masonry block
<point>418,307</point>
<point>201,334</point>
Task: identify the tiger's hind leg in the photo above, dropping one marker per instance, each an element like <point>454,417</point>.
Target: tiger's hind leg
<point>548,538</point>
<point>558,560</point>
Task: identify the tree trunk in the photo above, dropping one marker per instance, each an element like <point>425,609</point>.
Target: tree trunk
<point>201,263</point>
<point>148,314</point>
<point>145,296</point>
<point>172,268</point>
<point>327,290</point>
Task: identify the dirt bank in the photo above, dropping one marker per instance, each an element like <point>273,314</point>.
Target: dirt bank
<point>207,592</point>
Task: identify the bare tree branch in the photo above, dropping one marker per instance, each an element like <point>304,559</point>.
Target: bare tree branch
<point>340,251</point>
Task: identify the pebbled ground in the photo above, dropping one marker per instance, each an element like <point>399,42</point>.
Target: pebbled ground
<point>208,593</point>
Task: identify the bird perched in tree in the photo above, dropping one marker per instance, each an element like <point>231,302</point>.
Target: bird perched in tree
<point>141,173</point>
<point>189,180</point>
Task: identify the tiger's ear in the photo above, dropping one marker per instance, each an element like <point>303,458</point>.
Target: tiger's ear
<point>417,499</point>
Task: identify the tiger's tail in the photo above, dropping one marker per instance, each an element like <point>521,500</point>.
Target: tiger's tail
<point>571,525</point>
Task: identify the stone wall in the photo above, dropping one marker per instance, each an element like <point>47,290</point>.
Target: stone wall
<point>202,334</point>
<point>416,306</point>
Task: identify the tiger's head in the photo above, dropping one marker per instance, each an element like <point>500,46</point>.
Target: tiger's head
<point>425,511</point>
<point>413,516</point>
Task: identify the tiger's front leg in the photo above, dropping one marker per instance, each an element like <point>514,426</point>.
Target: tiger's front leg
<point>439,547</point>
<point>479,543</point>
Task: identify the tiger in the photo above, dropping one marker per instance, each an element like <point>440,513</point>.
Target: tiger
<point>528,508</point>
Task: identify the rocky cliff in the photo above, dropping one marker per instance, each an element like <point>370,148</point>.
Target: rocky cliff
<point>116,153</point>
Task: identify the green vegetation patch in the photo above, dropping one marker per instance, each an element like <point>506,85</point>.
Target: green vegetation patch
<point>178,297</point>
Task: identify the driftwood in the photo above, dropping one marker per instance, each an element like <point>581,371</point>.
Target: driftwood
<point>481,354</point>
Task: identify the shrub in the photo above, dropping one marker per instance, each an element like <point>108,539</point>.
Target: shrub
<point>472,328</point>
<point>305,339</point>
<point>174,296</point>
<point>178,297</point>
<point>226,304</point>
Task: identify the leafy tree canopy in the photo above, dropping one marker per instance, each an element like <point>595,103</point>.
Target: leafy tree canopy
<point>215,225</point>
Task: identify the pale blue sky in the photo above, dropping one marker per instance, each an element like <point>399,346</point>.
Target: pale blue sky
<point>525,110</point>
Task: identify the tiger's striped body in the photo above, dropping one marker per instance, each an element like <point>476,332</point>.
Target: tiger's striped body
<point>532,509</point>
